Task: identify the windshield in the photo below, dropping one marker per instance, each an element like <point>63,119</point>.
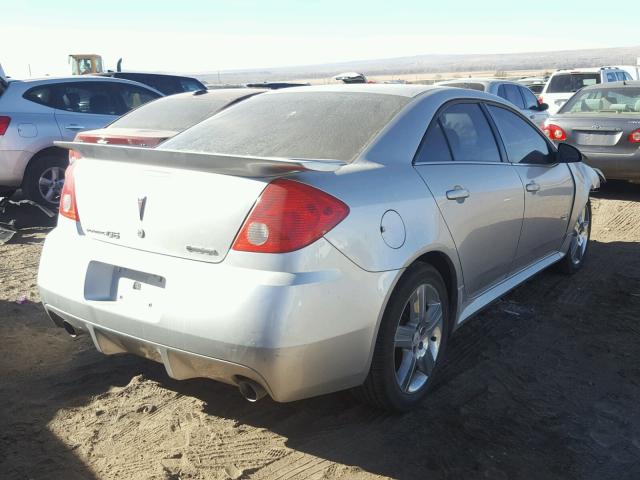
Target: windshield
<point>316,125</point>
<point>571,82</point>
<point>604,100</point>
<point>179,112</point>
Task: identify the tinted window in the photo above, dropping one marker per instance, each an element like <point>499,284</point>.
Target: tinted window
<point>190,85</point>
<point>611,77</point>
<point>319,125</point>
<point>469,134</point>
<point>87,97</point>
<point>530,100</point>
<point>571,82</point>
<point>42,95</point>
<point>511,93</point>
<point>132,96</point>
<point>522,141</point>
<point>179,112</point>
<point>434,147</point>
<point>163,83</point>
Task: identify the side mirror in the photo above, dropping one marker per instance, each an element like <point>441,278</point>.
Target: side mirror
<point>542,107</point>
<point>568,154</point>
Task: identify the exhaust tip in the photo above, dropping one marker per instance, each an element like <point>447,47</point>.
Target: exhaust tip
<point>69,329</point>
<point>251,391</point>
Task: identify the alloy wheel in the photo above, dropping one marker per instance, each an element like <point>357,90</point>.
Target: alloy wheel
<point>50,184</point>
<point>417,338</point>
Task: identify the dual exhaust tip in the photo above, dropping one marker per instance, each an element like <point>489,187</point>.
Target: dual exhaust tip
<point>250,390</point>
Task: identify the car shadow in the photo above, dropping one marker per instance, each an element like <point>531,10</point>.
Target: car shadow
<point>618,190</point>
<point>542,384</point>
<point>539,385</point>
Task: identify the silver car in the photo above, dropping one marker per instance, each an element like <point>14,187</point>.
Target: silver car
<point>35,113</point>
<point>603,122</point>
<point>314,239</point>
<point>517,94</point>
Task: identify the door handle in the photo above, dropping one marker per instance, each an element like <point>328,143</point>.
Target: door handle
<point>532,117</point>
<point>533,187</point>
<point>73,126</point>
<point>458,193</point>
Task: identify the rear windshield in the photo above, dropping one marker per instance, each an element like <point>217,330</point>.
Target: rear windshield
<point>571,82</point>
<point>604,100</point>
<point>316,125</point>
<point>179,112</point>
<point>472,86</point>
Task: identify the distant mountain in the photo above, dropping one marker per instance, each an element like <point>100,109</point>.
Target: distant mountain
<point>421,64</point>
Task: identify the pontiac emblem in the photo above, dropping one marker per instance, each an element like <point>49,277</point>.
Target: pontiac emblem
<point>142,202</point>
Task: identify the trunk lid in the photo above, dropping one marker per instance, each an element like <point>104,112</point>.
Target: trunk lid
<point>188,205</point>
<point>600,133</point>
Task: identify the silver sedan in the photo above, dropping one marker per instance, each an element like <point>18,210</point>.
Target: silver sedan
<point>314,239</point>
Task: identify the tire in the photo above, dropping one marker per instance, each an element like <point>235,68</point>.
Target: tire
<point>46,168</point>
<point>579,246</point>
<point>390,384</point>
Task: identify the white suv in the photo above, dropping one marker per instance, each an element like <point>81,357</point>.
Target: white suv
<point>35,113</point>
<point>564,83</point>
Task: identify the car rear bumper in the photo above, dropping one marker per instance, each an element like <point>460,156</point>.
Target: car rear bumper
<point>297,334</point>
<point>615,166</point>
<point>12,166</point>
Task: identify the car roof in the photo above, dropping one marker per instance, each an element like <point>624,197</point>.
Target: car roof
<point>483,81</point>
<point>378,88</point>
<point>620,84</point>
<point>153,74</point>
<point>586,70</point>
<point>32,82</point>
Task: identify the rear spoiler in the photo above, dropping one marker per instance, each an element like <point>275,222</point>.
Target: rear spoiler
<point>239,166</point>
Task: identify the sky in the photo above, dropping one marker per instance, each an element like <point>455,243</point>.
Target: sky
<point>207,36</point>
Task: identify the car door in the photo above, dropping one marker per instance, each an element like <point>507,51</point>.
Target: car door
<point>480,197</point>
<point>532,107</point>
<point>84,105</point>
<point>549,187</point>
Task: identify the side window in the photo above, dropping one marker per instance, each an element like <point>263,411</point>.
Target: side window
<point>189,85</point>
<point>502,93</point>
<point>434,147</point>
<point>513,95</point>
<point>611,77</point>
<point>132,96</point>
<point>87,97</point>
<point>469,134</point>
<point>620,76</point>
<point>530,100</point>
<point>43,95</point>
<point>524,144</point>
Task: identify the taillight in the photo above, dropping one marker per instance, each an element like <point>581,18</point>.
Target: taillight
<point>288,216</point>
<point>4,124</point>
<point>634,137</point>
<point>68,207</point>
<point>554,132</point>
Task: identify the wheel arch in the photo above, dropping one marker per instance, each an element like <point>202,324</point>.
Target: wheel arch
<point>445,267</point>
<point>52,150</point>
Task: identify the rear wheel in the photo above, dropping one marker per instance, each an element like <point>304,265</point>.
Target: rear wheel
<point>411,341</point>
<point>579,246</point>
<point>44,178</point>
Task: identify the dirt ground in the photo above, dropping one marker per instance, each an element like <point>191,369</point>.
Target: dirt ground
<point>544,384</point>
